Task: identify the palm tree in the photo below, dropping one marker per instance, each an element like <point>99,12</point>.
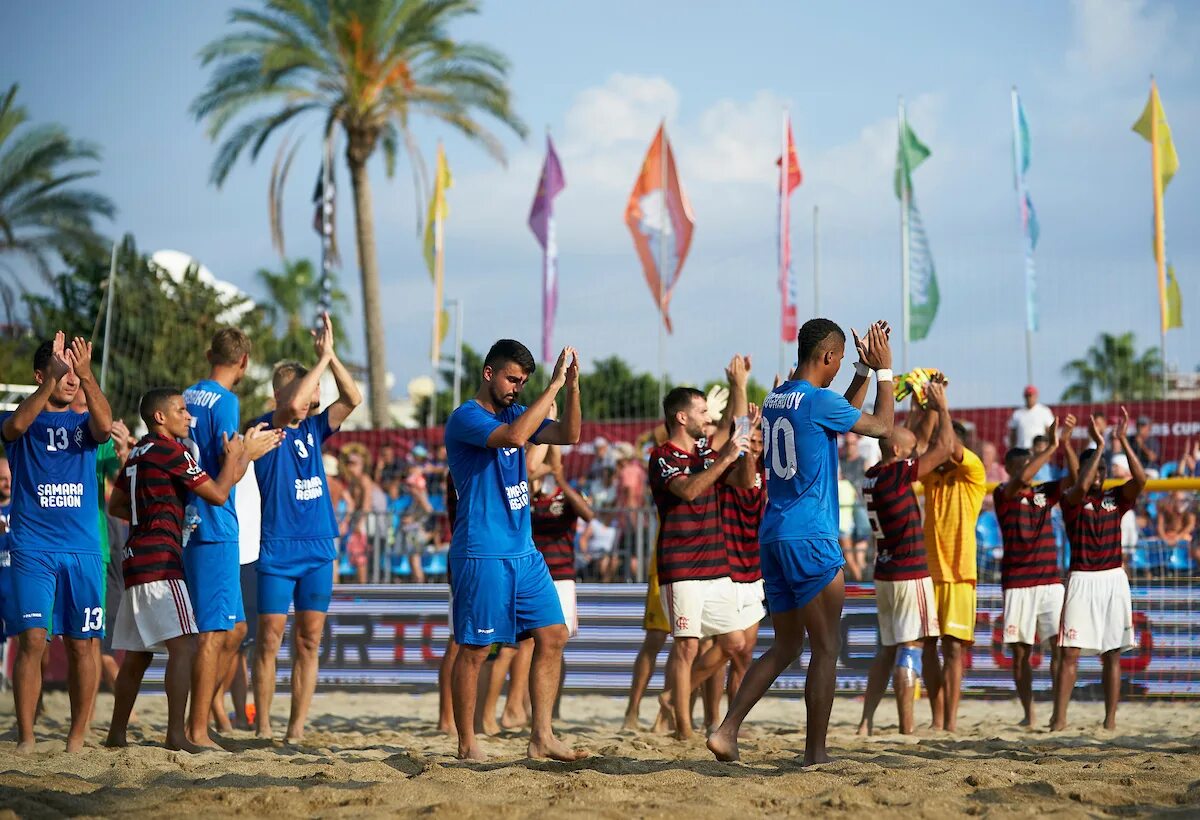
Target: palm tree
<point>42,213</point>
<point>1113,370</point>
<point>369,66</point>
<point>295,292</point>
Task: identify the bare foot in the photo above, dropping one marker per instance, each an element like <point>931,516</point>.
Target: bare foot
<point>816,759</point>
<point>26,747</point>
<point>1026,721</point>
<point>515,720</point>
<point>555,749</point>
<point>866,728</point>
<point>75,744</point>
<point>182,744</point>
<point>242,725</point>
<point>206,744</point>
<point>631,724</point>
<point>223,725</point>
<point>724,746</point>
<point>681,733</point>
<point>488,726</point>
<point>1057,725</point>
<point>1110,723</point>
<point>472,752</point>
<point>264,733</point>
<point>446,727</point>
<point>116,741</point>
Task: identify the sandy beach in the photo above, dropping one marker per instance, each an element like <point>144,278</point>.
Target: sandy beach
<point>372,755</point>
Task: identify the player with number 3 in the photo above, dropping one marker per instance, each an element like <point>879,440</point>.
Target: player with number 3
<point>55,540</point>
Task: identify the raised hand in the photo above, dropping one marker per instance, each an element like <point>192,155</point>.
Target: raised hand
<point>573,369</point>
<point>878,352</point>
<point>754,413</point>
<point>60,358</point>
<point>323,338</point>
<point>235,448</point>
<point>559,376</point>
<point>1096,433</point>
<point>1052,434</point>
<point>717,398</point>
<point>738,370</point>
<point>935,396</point>
<point>1122,427</point>
<point>81,357</point>
<point>1069,424</point>
<point>862,345</point>
<point>122,439</point>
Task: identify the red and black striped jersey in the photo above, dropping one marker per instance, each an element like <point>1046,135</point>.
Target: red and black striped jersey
<point>1030,553</point>
<point>1094,530</point>
<point>896,521</point>
<point>690,546</point>
<point>157,478</point>
<point>741,513</point>
<point>553,519</point>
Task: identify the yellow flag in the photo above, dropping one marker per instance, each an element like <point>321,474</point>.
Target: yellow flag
<point>1174,300</point>
<point>438,211</point>
<point>1168,159</point>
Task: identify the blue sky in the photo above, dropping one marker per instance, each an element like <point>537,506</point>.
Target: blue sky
<point>601,76</point>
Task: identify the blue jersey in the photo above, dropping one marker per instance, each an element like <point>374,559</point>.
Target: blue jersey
<point>55,495</point>
<point>5,560</point>
<point>293,488</point>
<point>801,423</point>
<point>214,411</point>
<point>492,519</point>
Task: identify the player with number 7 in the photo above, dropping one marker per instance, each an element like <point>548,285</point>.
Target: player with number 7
<point>55,540</point>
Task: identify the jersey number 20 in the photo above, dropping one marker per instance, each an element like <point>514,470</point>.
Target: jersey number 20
<point>779,448</point>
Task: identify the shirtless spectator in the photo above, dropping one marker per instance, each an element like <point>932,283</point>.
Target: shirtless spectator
<point>362,491</point>
<point>1176,520</point>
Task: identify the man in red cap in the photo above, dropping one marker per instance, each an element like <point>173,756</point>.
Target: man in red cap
<point>1029,421</point>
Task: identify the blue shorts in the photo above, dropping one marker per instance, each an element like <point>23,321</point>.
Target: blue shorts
<point>214,584</point>
<point>9,617</point>
<point>501,600</point>
<point>65,585</point>
<point>296,558</point>
<point>794,572</point>
<point>310,593</point>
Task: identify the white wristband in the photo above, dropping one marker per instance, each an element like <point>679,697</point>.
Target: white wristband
<point>883,375</point>
<point>861,369</point>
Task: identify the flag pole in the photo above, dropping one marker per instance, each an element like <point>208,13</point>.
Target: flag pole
<point>816,261</point>
<point>904,250</point>
<point>662,266</point>
<point>1019,184</point>
<point>1160,243</point>
<point>784,167</point>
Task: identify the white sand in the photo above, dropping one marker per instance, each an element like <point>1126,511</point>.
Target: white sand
<point>378,755</point>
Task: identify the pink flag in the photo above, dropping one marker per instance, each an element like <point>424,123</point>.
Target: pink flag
<point>541,222</point>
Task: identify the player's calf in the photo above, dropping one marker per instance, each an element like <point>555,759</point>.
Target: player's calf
<point>125,692</point>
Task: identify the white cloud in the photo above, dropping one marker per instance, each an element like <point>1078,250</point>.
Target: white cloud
<point>1123,39</point>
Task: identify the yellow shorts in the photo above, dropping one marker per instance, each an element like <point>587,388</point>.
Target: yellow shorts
<point>956,609</point>
<point>656,616</point>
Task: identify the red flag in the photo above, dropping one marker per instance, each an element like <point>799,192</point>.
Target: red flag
<point>661,221</point>
<point>789,179</point>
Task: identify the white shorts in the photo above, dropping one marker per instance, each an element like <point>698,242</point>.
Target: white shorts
<point>570,608</point>
<point>907,611</point>
<point>151,614</point>
<point>700,609</point>
<point>750,609</point>
<point>1032,614</point>
<point>1098,613</point>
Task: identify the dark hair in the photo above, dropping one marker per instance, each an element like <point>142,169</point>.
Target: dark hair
<point>154,400</point>
<point>680,398</point>
<point>813,338</point>
<point>229,345</point>
<point>961,431</point>
<point>1017,452</point>
<point>43,355</point>
<point>1085,455</point>
<point>1040,440</point>
<point>510,350</point>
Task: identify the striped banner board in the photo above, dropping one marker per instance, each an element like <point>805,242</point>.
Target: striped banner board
<point>390,638</point>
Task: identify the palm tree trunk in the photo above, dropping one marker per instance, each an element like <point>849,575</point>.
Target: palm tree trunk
<point>368,265</point>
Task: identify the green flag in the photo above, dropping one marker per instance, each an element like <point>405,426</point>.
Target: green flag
<point>912,153</point>
<point>923,294</point>
<point>1174,300</point>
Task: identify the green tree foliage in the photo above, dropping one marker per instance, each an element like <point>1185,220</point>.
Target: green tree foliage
<point>1113,370</point>
<point>370,66</point>
<point>42,211</point>
<point>160,328</point>
<point>294,294</point>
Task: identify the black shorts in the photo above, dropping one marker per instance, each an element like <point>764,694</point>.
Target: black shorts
<point>249,576</point>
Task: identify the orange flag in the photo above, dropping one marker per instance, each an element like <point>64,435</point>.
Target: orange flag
<point>660,219</point>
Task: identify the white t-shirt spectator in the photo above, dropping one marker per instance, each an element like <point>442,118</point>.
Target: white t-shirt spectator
<point>1030,422</point>
<point>249,514</point>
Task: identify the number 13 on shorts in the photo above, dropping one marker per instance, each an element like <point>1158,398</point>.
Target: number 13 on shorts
<point>93,619</point>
